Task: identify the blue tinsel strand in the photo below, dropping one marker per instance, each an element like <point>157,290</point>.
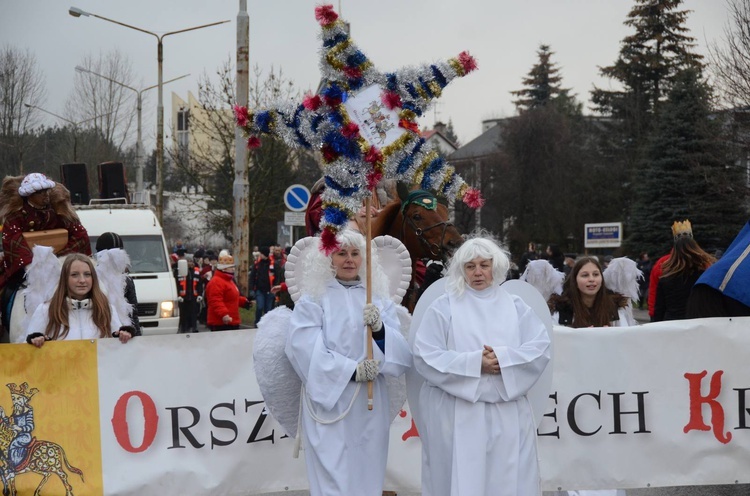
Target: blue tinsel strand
<point>356,59</point>
<point>335,117</point>
<point>330,183</point>
<point>426,88</point>
<point>263,120</point>
<point>434,166</point>
<point>391,81</point>
<point>295,123</point>
<point>411,106</point>
<point>315,122</point>
<point>412,92</point>
<point>438,76</point>
<point>449,183</point>
<point>332,42</point>
<point>335,216</point>
<point>355,84</point>
<point>334,91</point>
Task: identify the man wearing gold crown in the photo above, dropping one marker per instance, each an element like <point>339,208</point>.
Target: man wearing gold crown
<point>21,422</point>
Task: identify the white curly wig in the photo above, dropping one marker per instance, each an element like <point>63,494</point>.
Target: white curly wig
<point>318,268</point>
<point>481,244</point>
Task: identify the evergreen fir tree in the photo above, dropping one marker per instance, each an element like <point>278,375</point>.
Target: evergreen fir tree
<point>648,62</point>
<point>689,173</point>
<point>450,133</point>
<point>542,86</point>
<point>645,69</point>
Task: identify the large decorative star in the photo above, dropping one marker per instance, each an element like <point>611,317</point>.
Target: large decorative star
<point>363,122</point>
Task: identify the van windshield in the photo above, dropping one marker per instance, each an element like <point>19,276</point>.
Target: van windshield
<point>146,253</point>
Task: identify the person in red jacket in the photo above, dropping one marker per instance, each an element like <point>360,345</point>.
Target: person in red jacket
<point>223,298</point>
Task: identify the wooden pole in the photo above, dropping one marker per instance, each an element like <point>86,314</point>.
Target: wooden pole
<point>368,252</point>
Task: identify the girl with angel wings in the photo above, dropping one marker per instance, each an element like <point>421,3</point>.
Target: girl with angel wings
<point>86,301</point>
<point>325,340</point>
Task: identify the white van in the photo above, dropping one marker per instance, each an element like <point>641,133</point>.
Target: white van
<point>150,269</point>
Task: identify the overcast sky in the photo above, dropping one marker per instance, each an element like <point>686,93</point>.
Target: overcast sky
<point>503,35</point>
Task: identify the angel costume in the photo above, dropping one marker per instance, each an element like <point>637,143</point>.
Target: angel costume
<point>346,445</point>
<point>479,435</point>
<point>80,320</point>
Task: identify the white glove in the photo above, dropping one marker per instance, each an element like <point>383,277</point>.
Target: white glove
<point>371,315</point>
<point>367,370</point>
<point>199,299</point>
<point>180,299</point>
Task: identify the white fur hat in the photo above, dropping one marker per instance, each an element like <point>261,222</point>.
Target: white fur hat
<point>34,182</point>
<point>226,261</point>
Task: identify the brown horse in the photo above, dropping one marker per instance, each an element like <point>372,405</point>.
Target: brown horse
<point>422,224</point>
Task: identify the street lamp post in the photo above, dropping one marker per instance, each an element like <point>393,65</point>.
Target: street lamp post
<point>73,123</point>
<point>139,155</point>
<point>76,12</point>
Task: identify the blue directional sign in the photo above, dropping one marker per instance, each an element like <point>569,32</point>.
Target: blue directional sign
<point>296,198</point>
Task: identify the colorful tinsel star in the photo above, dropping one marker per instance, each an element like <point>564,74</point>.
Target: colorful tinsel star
<point>353,165</point>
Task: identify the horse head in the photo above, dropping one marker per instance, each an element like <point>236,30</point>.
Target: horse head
<point>423,226</point>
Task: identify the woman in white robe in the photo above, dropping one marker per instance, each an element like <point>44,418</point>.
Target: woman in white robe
<point>346,445</point>
<point>479,350</point>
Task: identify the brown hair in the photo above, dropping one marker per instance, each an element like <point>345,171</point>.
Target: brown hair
<point>686,257</point>
<point>604,309</point>
<point>57,321</point>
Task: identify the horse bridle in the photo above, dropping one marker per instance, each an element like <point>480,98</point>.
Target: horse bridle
<point>434,249</point>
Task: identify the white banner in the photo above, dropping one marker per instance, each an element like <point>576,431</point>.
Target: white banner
<point>663,404</point>
<point>657,405</point>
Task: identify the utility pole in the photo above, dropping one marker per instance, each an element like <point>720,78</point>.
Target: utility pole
<point>240,187</point>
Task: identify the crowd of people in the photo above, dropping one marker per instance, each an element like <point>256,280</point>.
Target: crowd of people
<point>477,430</point>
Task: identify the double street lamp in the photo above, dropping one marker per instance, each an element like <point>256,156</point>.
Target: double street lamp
<point>73,123</point>
<point>139,156</point>
<point>76,12</point>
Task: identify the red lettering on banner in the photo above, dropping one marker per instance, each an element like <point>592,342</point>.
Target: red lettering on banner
<point>120,421</point>
<point>696,403</point>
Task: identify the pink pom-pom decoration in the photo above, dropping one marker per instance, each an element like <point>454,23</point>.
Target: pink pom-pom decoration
<point>240,115</point>
<point>373,156</point>
<point>353,72</point>
<point>312,102</point>
<point>373,179</point>
<point>473,198</point>
<point>391,99</point>
<point>328,242</point>
<point>253,142</point>
<point>468,62</point>
<point>325,15</point>
<point>350,130</point>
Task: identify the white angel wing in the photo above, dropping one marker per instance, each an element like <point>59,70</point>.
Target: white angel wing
<point>42,276</point>
<point>544,277</point>
<point>295,279</point>
<point>110,269</point>
<point>392,255</point>
<point>396,263</point>
<point>279,383</point>
<point>621,276</point>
